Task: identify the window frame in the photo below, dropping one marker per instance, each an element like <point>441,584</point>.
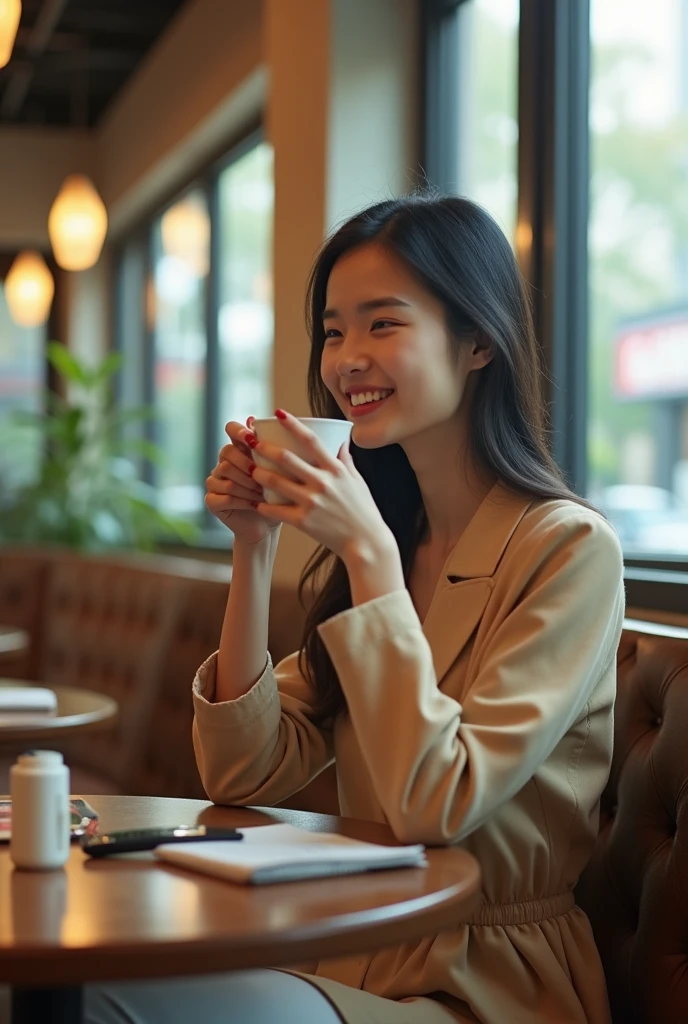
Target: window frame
<point>552,217</point>
<point>207,181</point>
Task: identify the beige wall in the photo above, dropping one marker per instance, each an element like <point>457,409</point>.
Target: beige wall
<point>33,164</point>
<point>341,115</point>
<point>195,90</point>
<point>373,138</point>
<point>297,53</point>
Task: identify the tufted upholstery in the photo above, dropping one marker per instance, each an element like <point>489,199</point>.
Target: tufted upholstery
<point>115,625</point>
<point>22,581</point>
<point>137,628</point>
<point>635,889</point>
<point>168,765</point>
<point>107,627</point>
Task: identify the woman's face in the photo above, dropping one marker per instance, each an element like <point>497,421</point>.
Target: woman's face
<point>387,359</point>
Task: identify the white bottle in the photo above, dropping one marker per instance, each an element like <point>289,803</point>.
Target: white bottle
<point>39,785</point>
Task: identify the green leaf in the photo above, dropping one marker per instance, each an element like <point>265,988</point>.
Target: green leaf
<point>145,449</point>
<point>109,366</point>
<point>66,364</point>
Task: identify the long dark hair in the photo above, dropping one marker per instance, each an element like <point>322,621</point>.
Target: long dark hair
<point>460,256</point>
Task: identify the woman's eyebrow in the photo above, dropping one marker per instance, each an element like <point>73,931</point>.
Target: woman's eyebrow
<point>368,305</point>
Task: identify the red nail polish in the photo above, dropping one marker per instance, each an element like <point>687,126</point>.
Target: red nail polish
<point>251,440</point>
<point>252,468</point>
<point>280,414</point>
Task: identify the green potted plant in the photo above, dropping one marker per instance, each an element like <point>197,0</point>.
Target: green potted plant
<point>87,493</point>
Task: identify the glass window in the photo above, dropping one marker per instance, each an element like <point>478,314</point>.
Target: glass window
<point>177,297</point>
<point>638,269</point>
<point>22,386</point>
<point>487,139</point>
<point>245,314</point>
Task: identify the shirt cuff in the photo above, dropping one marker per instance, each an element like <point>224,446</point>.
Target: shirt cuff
<point>254,705</point>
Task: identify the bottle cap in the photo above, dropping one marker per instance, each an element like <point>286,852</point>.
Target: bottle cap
<point>40,757</point>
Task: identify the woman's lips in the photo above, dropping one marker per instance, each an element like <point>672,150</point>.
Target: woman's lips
<point>368,408</point>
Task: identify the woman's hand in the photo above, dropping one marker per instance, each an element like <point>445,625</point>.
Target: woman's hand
<point>232,494</point>
<point>331,500</point>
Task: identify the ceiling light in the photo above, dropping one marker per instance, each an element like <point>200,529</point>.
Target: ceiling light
<point>185,231</point>
<point>77,224</point>
<point>29,289</point>
<point>10,13</point>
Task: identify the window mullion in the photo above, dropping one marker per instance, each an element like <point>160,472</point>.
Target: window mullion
<point>553,210</point>
<point>212,361</point>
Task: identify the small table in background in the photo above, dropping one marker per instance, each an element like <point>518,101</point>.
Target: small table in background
<point>77,711</point>
<point>133,917</point>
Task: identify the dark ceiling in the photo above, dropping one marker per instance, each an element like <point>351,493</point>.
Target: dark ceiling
<point>71,57</point>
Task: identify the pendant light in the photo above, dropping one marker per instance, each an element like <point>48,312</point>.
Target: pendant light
<point>10,13</point>
<point>77,224</point>
<point>185,231</point>
<point>29,289</point>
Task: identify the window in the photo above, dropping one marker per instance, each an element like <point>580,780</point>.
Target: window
<point>181,262</point>
<point>22,384</point>
<point>638,270</point>
<point>480,48</point>
<point>195,322</point>
<point>245,318</point>
<point>595,174</point>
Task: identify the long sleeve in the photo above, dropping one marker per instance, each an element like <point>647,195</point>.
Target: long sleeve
<point>440,769</point>
<point>262,747</point>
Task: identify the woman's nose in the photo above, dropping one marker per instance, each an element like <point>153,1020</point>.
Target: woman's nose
<point>352,357</point>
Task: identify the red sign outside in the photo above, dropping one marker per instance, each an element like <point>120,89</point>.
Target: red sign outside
<point>652,360</point>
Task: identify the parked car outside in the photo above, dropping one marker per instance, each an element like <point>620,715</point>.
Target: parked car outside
<point>648,520</point>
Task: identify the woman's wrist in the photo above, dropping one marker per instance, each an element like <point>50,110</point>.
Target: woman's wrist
<point>374,568</point>
<point>257,548</point>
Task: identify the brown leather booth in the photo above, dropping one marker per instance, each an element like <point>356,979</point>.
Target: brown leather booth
<point>136,628</point>
<point>635,889</point>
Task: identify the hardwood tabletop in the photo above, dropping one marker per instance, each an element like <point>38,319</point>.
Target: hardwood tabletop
<point>78,710</point>
<point>133,917</point>
<point>12,640</point>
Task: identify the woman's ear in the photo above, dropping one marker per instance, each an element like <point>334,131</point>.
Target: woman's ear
<point>482,351</point>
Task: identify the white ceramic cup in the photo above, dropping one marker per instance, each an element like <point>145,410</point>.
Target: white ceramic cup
<point>332,434</point>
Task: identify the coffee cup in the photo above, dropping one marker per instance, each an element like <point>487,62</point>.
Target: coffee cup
<point>332,434</point>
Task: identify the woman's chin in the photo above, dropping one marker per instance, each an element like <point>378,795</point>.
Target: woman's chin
<point>368,438</point>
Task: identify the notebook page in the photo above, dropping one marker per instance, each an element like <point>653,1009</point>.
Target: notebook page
<point>281,853</point>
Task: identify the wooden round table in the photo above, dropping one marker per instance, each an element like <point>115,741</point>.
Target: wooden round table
<point>12,641</point>
<point>77,711</point>
<point>133,917</point>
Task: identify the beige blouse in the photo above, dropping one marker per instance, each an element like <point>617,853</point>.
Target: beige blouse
<point>489,725</point>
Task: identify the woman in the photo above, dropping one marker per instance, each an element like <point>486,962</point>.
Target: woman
<point>472,609</point>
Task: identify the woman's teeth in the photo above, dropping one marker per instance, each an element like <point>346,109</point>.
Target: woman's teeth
<point>362,398</point>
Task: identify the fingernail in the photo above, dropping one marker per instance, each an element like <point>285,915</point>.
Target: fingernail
<point>280,414</point>
<point>252,468</point>
<point>251,440</point>
<point>255,504</point>
<point>250,421</point>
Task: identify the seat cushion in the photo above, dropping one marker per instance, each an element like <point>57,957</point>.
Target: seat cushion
<point>635,888</point>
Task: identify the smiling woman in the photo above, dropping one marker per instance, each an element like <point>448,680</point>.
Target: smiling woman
<point>422,295</point>
<point>458,663</point>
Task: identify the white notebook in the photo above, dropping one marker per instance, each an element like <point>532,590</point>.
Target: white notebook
<point>25,705</point>
<point>27,698</point>
<point>283,853</point>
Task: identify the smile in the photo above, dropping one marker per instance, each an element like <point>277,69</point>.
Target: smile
<point>369,402</point>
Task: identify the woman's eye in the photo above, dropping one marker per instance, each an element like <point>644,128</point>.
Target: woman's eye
<point>332,332</point>
<point>383,324</point>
